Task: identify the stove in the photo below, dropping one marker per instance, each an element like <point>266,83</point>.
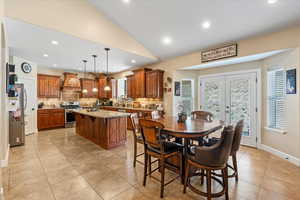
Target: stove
<point>69,114</point>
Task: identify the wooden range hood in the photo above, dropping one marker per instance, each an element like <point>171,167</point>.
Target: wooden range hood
<point>71,82</point>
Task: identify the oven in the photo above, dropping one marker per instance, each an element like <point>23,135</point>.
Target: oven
<point>69,118</point>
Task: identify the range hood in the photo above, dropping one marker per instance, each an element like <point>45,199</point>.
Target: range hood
<point>71,82</point>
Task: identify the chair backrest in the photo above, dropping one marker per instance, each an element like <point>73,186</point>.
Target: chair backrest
<point>238,130</point>
<point>216,155</point>
<point>151,132</point>
<point>199,114</point>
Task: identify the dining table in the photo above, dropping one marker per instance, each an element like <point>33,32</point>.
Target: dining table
<point>188,130</point>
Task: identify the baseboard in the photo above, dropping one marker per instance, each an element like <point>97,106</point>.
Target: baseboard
<point>4,163</point>
<point>290,158</point>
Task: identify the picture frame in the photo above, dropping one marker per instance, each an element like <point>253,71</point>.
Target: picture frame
<point>176,88</point>
<point>227,51</point>
<point>291,81</point>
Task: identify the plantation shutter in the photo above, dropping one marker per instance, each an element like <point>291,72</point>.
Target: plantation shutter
<point>276,99</point>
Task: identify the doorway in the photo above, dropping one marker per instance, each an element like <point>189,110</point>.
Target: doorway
<point>231,97</point>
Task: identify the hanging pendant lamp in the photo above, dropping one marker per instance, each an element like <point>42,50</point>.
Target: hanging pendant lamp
<point>95,89</point>
<point>107,87</point>
<point>84,62</point>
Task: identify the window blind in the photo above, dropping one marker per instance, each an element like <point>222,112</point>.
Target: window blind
<point>276,99</point>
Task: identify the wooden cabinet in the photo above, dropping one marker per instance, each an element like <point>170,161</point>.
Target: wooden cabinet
<point>48,86</point>
<point>154,84</point>
<point>106,94</point>
<point>140,82</point>
<point>130,86</point>
<point>89,84</point>
<point>51,118</point>
<point>145,83</point>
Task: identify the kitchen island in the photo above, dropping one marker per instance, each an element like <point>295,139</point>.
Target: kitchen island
<point>105,128</point>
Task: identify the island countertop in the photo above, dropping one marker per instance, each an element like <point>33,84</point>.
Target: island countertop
<point>102,114</point>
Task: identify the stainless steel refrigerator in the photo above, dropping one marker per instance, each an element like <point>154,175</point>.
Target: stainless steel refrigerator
<point>16,118</point>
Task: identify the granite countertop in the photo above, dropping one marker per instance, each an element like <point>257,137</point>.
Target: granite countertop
<point>50,107</point>
<point>102,113</point>
<point>130,108</point>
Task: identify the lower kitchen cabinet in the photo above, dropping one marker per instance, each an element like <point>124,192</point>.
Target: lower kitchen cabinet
<point>50,118</point>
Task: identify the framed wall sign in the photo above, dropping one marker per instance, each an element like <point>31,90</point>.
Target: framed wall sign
<point>219,53</point>
<point>176,88</point>
<point>291,80</point>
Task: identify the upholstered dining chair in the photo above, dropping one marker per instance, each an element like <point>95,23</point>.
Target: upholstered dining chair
<point>204,115</point>
<point>159,148</point>
<point>209,159</point>
<point>238,131</point>
<point>200,114</point>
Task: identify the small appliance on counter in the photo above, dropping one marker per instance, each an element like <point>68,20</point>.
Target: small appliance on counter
<point>41,105</point>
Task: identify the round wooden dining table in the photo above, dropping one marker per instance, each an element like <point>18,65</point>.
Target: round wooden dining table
<point>190,129</point>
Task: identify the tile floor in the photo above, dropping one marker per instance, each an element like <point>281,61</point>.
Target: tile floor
<point>58,165</point>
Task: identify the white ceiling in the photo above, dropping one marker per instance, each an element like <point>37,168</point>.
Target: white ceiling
<point>32,42</point>
<point>232,61</point>
<point>148,21</point>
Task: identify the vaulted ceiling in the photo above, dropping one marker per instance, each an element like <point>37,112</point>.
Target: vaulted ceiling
<point>149,21</point>
<point>138,31</point>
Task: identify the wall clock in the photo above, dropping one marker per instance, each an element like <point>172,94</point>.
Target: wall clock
<point>26,67</point>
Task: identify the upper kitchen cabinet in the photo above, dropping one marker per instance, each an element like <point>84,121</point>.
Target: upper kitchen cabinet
<point>103,81</point>
<point>89,84</point>
<point>140,82</point>
<point>48,86</point>
<point>130,86</point>
<point>154,84</point>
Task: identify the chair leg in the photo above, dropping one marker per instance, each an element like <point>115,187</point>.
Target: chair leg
<point>234,161</point>
<point>186,177</point>
<point>181,168</point>
<point>145,168</point>
<point>202,176</point>
<point>150,167</point>
<point>208,184</point>
<point>162,181</point>
<point>225,181</point>
<point>135,153</point>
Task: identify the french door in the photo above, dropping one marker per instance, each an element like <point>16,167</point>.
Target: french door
<point>231,98</point>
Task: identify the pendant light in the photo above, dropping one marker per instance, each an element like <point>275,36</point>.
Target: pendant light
<point>107,87</point>
<point>95,89</point>
<point>84,62</point>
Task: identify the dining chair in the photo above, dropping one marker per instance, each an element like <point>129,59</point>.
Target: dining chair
<point>200,114</point>
<point>137,137</point>
<point>209,159</point>
<point>156,146</point>
<point>238,131</point>
<point>204,115</point>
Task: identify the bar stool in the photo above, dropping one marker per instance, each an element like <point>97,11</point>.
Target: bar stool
<point>156,146</point>
<point>209,159</point>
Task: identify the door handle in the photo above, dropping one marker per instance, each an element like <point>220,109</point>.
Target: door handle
<point>32,109</point>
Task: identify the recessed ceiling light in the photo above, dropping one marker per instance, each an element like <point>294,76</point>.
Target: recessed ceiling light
<point>133,61</point>
<point>46,55</point>
<point>126,1</point>
<point>206,25</point>
<point>272,1</point>
<point>167,40</point>
<point>54,65</point>
<point>54,42</point>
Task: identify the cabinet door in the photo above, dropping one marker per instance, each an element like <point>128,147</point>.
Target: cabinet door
<point>43,120</point>
<point>154,84</point>
<point>131,86</point>
<point>102,83</point>
<point>58,119</point>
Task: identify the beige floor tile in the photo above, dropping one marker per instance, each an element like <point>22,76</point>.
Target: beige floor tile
<point>64,189</point>
<point>110,186</point>
<point>59,165</point>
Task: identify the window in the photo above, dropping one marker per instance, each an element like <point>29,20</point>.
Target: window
<point>276,99</point>
<point>187,95</point>
<point>121,91</point>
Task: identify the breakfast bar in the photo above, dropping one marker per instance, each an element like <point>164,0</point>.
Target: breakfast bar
<point>105,128</point>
